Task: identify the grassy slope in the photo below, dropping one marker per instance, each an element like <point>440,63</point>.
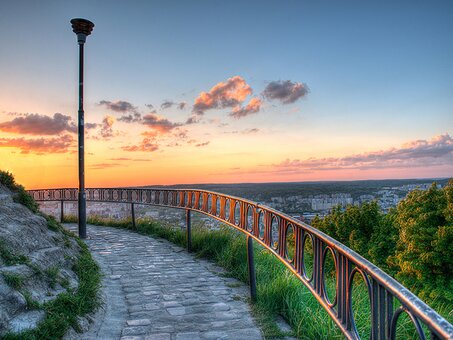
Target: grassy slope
<point>279,292</point>
<point>62,312</point>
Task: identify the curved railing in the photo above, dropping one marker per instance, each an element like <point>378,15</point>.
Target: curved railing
<point>271,228</point>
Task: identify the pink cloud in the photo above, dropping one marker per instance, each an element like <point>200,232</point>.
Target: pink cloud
<point>252,107</point>
<point>437,151</point>
<point>40,145</point>
<point>226,94</point>
<point>107,127</point>
<point>159,124</point>
<point>146,145</point>
<point>36,124</point>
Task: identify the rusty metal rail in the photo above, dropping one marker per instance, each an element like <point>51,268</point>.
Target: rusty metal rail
<point>272,229</point>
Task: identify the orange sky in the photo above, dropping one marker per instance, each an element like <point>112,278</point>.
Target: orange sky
<point>227,136</point>
<point>285,93</point>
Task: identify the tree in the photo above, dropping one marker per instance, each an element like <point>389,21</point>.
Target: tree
<point>364,229</point>
<point>424,253</point>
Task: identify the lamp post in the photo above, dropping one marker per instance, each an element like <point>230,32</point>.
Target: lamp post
<point>82,28</point>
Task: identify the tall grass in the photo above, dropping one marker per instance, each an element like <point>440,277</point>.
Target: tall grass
<point>279,292</point>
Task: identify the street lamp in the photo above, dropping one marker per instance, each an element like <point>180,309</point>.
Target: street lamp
<point>82,28</point>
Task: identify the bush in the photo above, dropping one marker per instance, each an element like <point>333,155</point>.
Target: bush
<point>412,242</point>
<point>424,252</point>
<point>364,229</point>
<point>7,179</point>
<point>20,194</point>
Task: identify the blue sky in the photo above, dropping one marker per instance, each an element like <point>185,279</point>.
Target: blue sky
<point>379,73</point>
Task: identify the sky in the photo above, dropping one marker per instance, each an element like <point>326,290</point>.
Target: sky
<point>227,91</point>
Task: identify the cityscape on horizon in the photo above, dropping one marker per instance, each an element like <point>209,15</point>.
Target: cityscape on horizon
<point>345,92</point>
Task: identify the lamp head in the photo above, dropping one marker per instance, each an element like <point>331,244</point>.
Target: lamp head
<point>83,28</point>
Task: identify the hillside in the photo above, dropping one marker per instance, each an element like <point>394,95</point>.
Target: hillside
<point>38,267</point>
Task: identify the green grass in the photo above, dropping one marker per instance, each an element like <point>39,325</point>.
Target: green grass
<point>62,312</point>
<point>20,194</point>
<point>31,303</point>
<point>52,275</point>
<point>13,280</point>
<point>9,258</point>
<point>70,219</point>
<point>279,292</point>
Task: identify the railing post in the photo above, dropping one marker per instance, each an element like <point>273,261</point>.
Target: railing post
<point>133,216</point>
<point>188,231</point>
<point>251,265</point>
<point>61,211</point>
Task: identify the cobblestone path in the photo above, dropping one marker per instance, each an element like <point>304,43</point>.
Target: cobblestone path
<point>155,290</point>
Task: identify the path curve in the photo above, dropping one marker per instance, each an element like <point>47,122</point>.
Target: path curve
<point>155,290</point>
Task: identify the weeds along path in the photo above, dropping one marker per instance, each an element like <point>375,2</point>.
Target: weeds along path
<point>155,290</point>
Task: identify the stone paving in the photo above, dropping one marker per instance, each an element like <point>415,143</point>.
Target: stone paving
<point>154,290</point>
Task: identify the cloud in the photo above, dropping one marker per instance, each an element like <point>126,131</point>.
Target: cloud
<point>202,144</point>
<point>100,166</point>
<point>36,124</point>
<point>118,106</point>
<point>130,118</point>
<point>180,134</point>
<point>226,94</point>
<point>167,104</point>
<point>90,126</point>
<point>107,127</point>
<point>130,159</point>
<point>40,146</point>
<point>286,92</point>
<point>420,153</point>
<point>252,107</point>
<point>245,131</point>
<point>158,123</point>
<point>121,159</point>
<point>130,113</point>
<point>146,145</point>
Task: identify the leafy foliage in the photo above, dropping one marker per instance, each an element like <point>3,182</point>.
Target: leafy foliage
<point>7,179</point>
<point>413,242</point>
<point>20,194</point>
<point>424,252</point>
<point>364,229</point>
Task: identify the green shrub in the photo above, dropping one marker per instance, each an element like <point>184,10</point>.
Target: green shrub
<point>424,252</point>
<point>411,242</point>
<point>365,229</point>
<point>7,179</point>
<point>20,194</point>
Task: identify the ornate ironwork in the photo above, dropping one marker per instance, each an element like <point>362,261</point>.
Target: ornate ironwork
<point>271,229</point>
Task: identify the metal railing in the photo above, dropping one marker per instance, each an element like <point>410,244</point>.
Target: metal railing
<point>272,229</point>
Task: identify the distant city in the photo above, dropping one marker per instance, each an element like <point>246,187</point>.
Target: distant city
<point>302,200</point>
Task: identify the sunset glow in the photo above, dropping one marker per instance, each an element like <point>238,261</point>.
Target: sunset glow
<point>308,97</point>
